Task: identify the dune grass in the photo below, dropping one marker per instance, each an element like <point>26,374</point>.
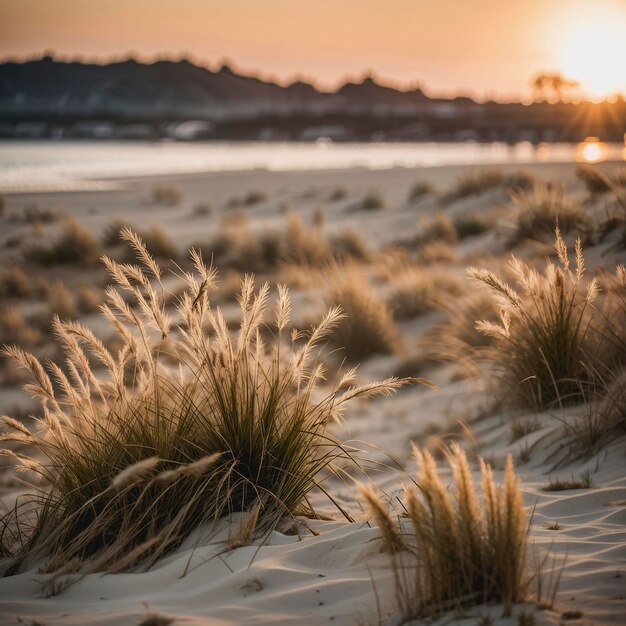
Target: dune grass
<point>128,463</point>
<point>167,195</point>
<point>202,209</point>
<point>437,228</point>
<point>420,190</point>
<point>159,244</point>
<point>557,484</point>
<point>14,283</point>
<point>474,183</point>
<point>544,348</point>
<point>349,244</point>
<point>74,246</point>
<point>456,340</point>
<point>254,197</point>
<point>542,207</point>
<point>368,327</point>
<point>36,214</point>
<point>239,247</point>
<point>110,236</point>
<point>337,194</point>
<point>472,224</point>
<point>415,290</point>
<point>88,299</point>
<point>14,327</point>
<point>60,300</point>
<point>374,200</point>
<point>456,549</point>
<point>597,183</point>
<point>436,252</point>
<point>604,419</point>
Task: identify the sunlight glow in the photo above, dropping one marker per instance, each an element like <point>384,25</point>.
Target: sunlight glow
<point>593,50</point>
<point>591,150</point>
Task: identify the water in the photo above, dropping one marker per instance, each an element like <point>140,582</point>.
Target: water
<point>88,165</point>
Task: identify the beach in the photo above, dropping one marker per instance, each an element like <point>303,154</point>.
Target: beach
<point>329,570</point>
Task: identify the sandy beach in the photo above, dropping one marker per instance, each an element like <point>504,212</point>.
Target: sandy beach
<point>328,570</point>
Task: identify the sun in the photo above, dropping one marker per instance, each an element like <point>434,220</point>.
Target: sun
<point>593,49</point>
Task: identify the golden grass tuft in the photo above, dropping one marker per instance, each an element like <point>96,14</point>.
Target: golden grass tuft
<point>477,182</point>
<point>546,341</point>
<point>349,244</point>
<point>416,290</point>
<point>459,549</point>
<point>111,233</point>
<point>456,340</point>
<point>75,246</point>
<point>14,283</point>
<point>420,190</point>
<point>305,246</point>
<point>128,463</point>
<point>368,327</point>
<point>374,200</point>
<point>339,193</point>
<point>14,328</point>
<point>437,228</point>
<point>597,183</point>
<point>436,252</point>
<point>60,300</point>
<point>88,299</point>
<point>473,224</point>
<point>167,195</point>
<point>541,208</point>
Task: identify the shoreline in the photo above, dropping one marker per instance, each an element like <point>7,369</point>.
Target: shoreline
<point>49,167</point>
<point>121,183</point>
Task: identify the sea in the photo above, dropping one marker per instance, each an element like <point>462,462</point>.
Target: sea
<point>28,166</point>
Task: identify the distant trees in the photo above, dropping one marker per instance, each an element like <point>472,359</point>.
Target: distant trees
<point>553,85</point>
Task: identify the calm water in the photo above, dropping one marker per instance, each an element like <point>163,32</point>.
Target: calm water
<point>39,166</point>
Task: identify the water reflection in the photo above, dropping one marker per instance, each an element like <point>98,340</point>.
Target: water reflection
<point>592,150</point>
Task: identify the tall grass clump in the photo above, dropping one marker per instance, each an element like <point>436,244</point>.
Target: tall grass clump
<point>159,244</point>
<point>368,328</point>
<point>456,340</point>
<point>167,195</point>
<point>305,246</point>
<point>417,290</point>
<point>477,182</point>
<point>604,418</point>
<point>129,462</point>
<point>473,224</point>
<point>456,549</point>
<point>349,244</point>
<point>542,207</point>
<point>597,183</point>
<point>374,200</point>
<point>544,344</point>
<point>15,328</point>
<point>339,193</point>
<point>254,197</point>
<point>420,190</point>
<point>14,282</point>
<point>111,232</point>
<point>437,228</point>
<point>74,246</point>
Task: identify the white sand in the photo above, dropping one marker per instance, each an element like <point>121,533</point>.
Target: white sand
<point>325,575</point>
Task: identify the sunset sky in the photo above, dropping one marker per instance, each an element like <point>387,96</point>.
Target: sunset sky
<point>487,48</point>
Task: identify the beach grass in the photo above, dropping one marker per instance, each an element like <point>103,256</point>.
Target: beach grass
<point>453,548</point>
<point>127,464</point>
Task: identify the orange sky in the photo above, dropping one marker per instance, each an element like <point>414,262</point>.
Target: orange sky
<point>482,47</point>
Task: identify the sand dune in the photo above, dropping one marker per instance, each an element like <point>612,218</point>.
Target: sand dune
<point>325,571</point>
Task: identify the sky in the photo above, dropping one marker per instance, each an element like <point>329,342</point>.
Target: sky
<point>483,48</point>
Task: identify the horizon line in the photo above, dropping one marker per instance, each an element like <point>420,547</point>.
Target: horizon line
<point>300,77</point>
